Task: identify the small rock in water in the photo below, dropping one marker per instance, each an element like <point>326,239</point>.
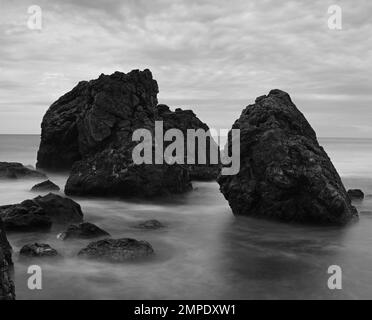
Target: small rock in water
<point>355,194</point>
<point>83,230</point>
<point>40,212</point>
<point>14,170</point>
<point>117,250</point>
<point>38,250</point>
<point>150,224</point>
<point>25,217</point>
<point>45,186</point>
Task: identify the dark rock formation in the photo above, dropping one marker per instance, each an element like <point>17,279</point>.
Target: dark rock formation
<point>95,116</point>
<point>150,224</point>
<point>6,283</point>
<point>59,209</point>
<point>110,173</point>
<point>38,250</point>
<point>14,170</point>
<point>26,216</point>
<point>83,230</point>
<point>284,173</point>
<point>40,213</point>
<point>355,194</point>
<point>89,130</point>
<point>117,250</point>
<point>185,120</point>
<point>45,186</point>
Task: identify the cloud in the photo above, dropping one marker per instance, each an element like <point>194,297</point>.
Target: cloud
<point>214,56</point>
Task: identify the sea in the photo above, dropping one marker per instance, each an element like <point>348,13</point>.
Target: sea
<point>204,252</point>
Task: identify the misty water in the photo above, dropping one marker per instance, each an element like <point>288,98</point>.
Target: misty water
<point>204,252</point>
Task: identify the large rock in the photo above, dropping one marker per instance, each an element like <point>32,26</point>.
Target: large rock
<point>89,130</point>
<point>40,213</point>
<point>185,120</point>
<point>6,283</point>
<point>96,115</point>
<point>14,170</point>
<point>284,173</point>
<point>117,250</point>
<point>110,173</point>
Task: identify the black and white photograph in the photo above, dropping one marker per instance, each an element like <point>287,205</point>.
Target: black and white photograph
<point>185,150</point>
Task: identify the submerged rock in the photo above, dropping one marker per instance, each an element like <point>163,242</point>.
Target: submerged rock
<point>7,291</point>
<point>45,186</point>
<point>14,170</point>
<point>150,224</point>
<point>40,213</point>
<point>284,174</point>
<point>356,194</point>
<point>119,250</point>
<point>38,250</point>
<point>83,230</point>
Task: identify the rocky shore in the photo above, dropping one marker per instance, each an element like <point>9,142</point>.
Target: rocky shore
<point>285,174</point>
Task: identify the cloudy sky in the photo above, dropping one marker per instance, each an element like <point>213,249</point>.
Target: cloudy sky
<point>214,56</point>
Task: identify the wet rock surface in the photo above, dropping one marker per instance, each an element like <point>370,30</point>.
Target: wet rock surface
<point>117,250</point>
<point>15,170</point>
<point>83,230</point>
<point>40,213</point>
<point>38,250</point>
<point>284,174</point>
<point>45,186</point>
<point>7,291</point>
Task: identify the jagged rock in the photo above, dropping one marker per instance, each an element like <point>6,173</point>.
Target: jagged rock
<point>38,250</point>
<point>45,186</point>
<point>40,213</point>
<point>119,250</point>
<point>185,120</point>
<point>14,170</point>
<point>150,224</point>
<point>7,291</point>
<point>96,115</point>
<point>284,173</point>
<point>355,194</point>
<point>89,130</point>
<point>83,230</point>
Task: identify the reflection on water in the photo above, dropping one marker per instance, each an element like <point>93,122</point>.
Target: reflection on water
<point>203,253</point>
